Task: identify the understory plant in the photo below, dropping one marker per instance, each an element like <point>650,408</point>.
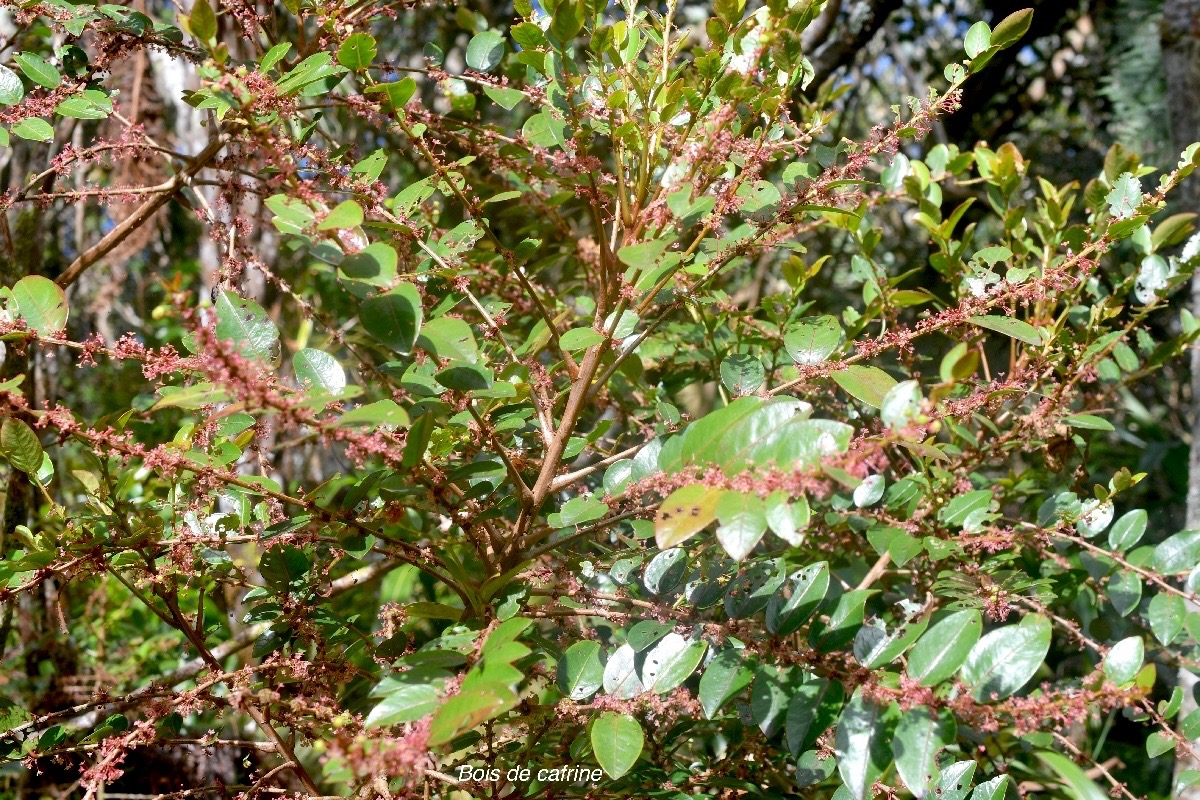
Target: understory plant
<point>569,408</point>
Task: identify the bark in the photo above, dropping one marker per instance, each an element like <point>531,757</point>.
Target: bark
<point>1181,61</point>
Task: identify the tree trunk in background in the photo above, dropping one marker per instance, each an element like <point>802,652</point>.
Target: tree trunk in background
<point>1181,61</point>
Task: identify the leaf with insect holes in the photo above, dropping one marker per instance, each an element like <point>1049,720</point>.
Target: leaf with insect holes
<point>686,511</point>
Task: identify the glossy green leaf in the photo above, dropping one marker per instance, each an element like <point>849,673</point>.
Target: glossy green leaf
<point>1124,660</point>
<point>34,129</point>
<point>346,214</point>
<point>1076,783</point>
<point>1014,328</point>
<point>38,70</point>
<point>21,445</point>
<point>11,88</point>
<point>742,523</point>
<point>467,709</point>
<point>357,52</point>
<point>726,676</point>
<point>580,671</point>
<point>863,744</point>
<point>813,708</point>
<point>1006,659</point>
<point>979,38</point>
<point>1178,553</point>
<point>617,741</point>
<point>920,735</point>
<point>485,51</point>
<point>806,589</point>
<point>318,370</point>
<point>245,323</point>
<point>621,679</point>
<point>844,619</point>
<point>670,662</point>
<point>869,385</point>
<point>394,318</point>
<point>944,647</point>
<point>41,303</point>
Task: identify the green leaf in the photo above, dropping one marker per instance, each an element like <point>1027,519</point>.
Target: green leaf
<point>942,649</point>
<point>449,337</point>
<point>843,622</point>
<point>866,384</point>
<point>1178,553</point>
<point>1124,591</point>
<point>863,744</point>
<point>398,93</point>
<point>1166,615</point>
<point>12,715</point>
<point>569,16</point>
<point>318,370</point>
<point>202,21</point>
<point>41,303</point>
<point>38,70</point>
<point>647,632</point>
<point>1004,660</point>
<point>742,373</point>
<point>813,340</point>
<point>954,782</point>
<point>545,130</point>
<point>957,510</point>
<point>465,378</point>
<point>580,671</point>
<point>813,708</point>
<point>743,522</point>
<point>920,735</point>
<point>726,676</point>
<point>1125,659</point>
<point>578,339</point>
<point>485,51</point>
<point>671,662</point>
<point>87,105</point>
<point>665,571</point>
<point>621,678</point>
<point>243,322</point>
<point>1010,29</point>
<point>1013,328</point>
<point>807,589</point>
<point>578,511</point>
<point>1125,197</point>
<point>274,56</point>
<point>374,265</point>
<point>381,413</point>
<point>979,38</point>
<point>787,520</point>
<point>394,318</point>
<point>769,698</point>
<point>468,709</point>
<point>686,511</point>
<point>357,52</point>
<point>1128,530</point>
<point>1158,743</point>
<point>11,88</point>
<point>503,97</point>
<point>34,129</point>
<point>407,696</point>
<point>21,445</point>
<point>1076,782</point>
<point>617,741</point>
<point>643,255</point>
<point>346,214</point>
<point>1089,422</point>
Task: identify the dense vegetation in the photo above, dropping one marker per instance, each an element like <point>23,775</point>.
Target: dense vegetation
<point>576,400</point>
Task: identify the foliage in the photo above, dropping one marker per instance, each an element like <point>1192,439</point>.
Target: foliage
<point>560,405</point>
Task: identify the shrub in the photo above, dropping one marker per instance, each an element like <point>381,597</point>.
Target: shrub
<point>600,412</point>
